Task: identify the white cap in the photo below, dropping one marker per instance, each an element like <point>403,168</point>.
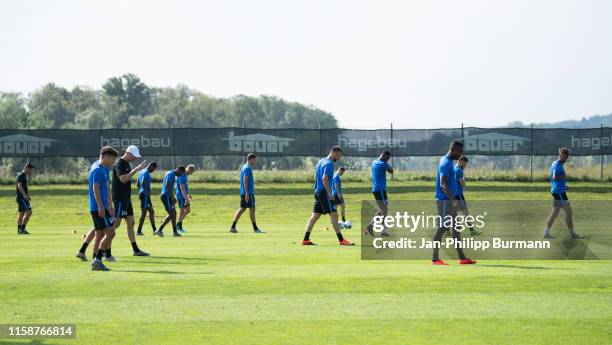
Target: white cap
<point>133,150</point>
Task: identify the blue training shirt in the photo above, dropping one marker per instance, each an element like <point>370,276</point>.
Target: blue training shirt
<point>445,168</point>
<point>100,175</point>
<point>458,190</point>
<point>247,171</point>
<point>557,186</point>
<point>336,185</point>
<point>181,181</point>
<point>325,167</point>
<point>169,177</point>
<point>144,179</point>
<point>379,175</point>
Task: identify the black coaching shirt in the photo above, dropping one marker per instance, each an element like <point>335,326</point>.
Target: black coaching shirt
<point>121,191</point>
<point>23,178</point>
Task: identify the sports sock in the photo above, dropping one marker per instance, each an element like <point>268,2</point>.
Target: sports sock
<point>83,247</point>
<point>135,247</point>
<point>140,227</point>
<point>234,225</point>
<point>98,255</point>
<point>343,219</point>
<point>339,234</point>
<point>307,236</point>
<point>108,253</point>
<point>255,226</point>
<point>18,227</point>
<point>179,225</point>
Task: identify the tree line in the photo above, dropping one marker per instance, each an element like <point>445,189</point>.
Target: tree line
<point>127,102</point>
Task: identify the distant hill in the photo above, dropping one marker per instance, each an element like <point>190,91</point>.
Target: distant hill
<point>585,122</point>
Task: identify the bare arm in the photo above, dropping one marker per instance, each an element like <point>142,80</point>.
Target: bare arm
<point>462,182</point>
<point>327,187</point>
<point>98,197</point>
<point>337,187</point>
<point>390,170</point>
<point>22,191</point>
<point>126,177</point>
<point>445,188</point>
<point>185,195</point>
<point>247,197</point>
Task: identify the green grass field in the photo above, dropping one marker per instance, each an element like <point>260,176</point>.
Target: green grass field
<point>213,287</point>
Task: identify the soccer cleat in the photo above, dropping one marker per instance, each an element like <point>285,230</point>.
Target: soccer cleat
<point>259,231</point>
<point>575,236</point>
<point>182,230</point>
<point>97,265</point>
<point>177,234</point>
<point>548,236</point>
<point>23,232</point>
<point>81,256</point>
<point>345,242</point>
<point>384,233</point>
<point>159,233</point>
<point>141,253</point>
<point>308,243</point>
<point>439,263</point>
<point>467,262</point>
<point>234,230</point>
<point>139,233</point>
<point>110,258</point>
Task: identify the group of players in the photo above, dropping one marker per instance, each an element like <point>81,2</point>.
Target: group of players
<point>108,208</point>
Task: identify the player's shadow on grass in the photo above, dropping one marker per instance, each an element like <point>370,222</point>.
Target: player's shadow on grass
<point>519,267</point>
<point>189,259</point>
<point>162,272</point>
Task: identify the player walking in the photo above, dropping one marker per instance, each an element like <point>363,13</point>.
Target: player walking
<point>247,194</point>
<point>24,210</point>
<point>338,196</point>
<point>446,203</point>
<point>122,196</point>
<point>168,199</point>
<point>101,207</point>
<point>143,182</point>
<point>558,189</point>
<point>380,168</point>
<point>458,190</point>
<point>324,173</point>
<point>183,197</point>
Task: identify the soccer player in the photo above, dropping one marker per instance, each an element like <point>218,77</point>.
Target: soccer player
<point>247,194</point>
<point>122,196</point>
<point>558,189</point>
<point>324,199</point>
<point>143,182</point>
<point>447,204</point>
<point>24,210</point>
<point>380,168</point>
<point>458,190</point>
<point>101,207</point>
<point>183,197</point>
<point>168,199</point>
<point>337,193</point>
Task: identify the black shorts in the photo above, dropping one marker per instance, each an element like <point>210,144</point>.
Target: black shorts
<point>560,199</point>
<point>250,204</point>
<point>23,205</point>
<point>447,212</point>
<point>338,200</point>
<point>322,204</point>
<point>101,223</point>
<point>461,203</point>
<point>166,199</point>
<point>381,195</point>
<point>145,201</point>
<point>123,208</point>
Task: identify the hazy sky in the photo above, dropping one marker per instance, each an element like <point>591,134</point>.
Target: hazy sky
<point>414,63</point>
